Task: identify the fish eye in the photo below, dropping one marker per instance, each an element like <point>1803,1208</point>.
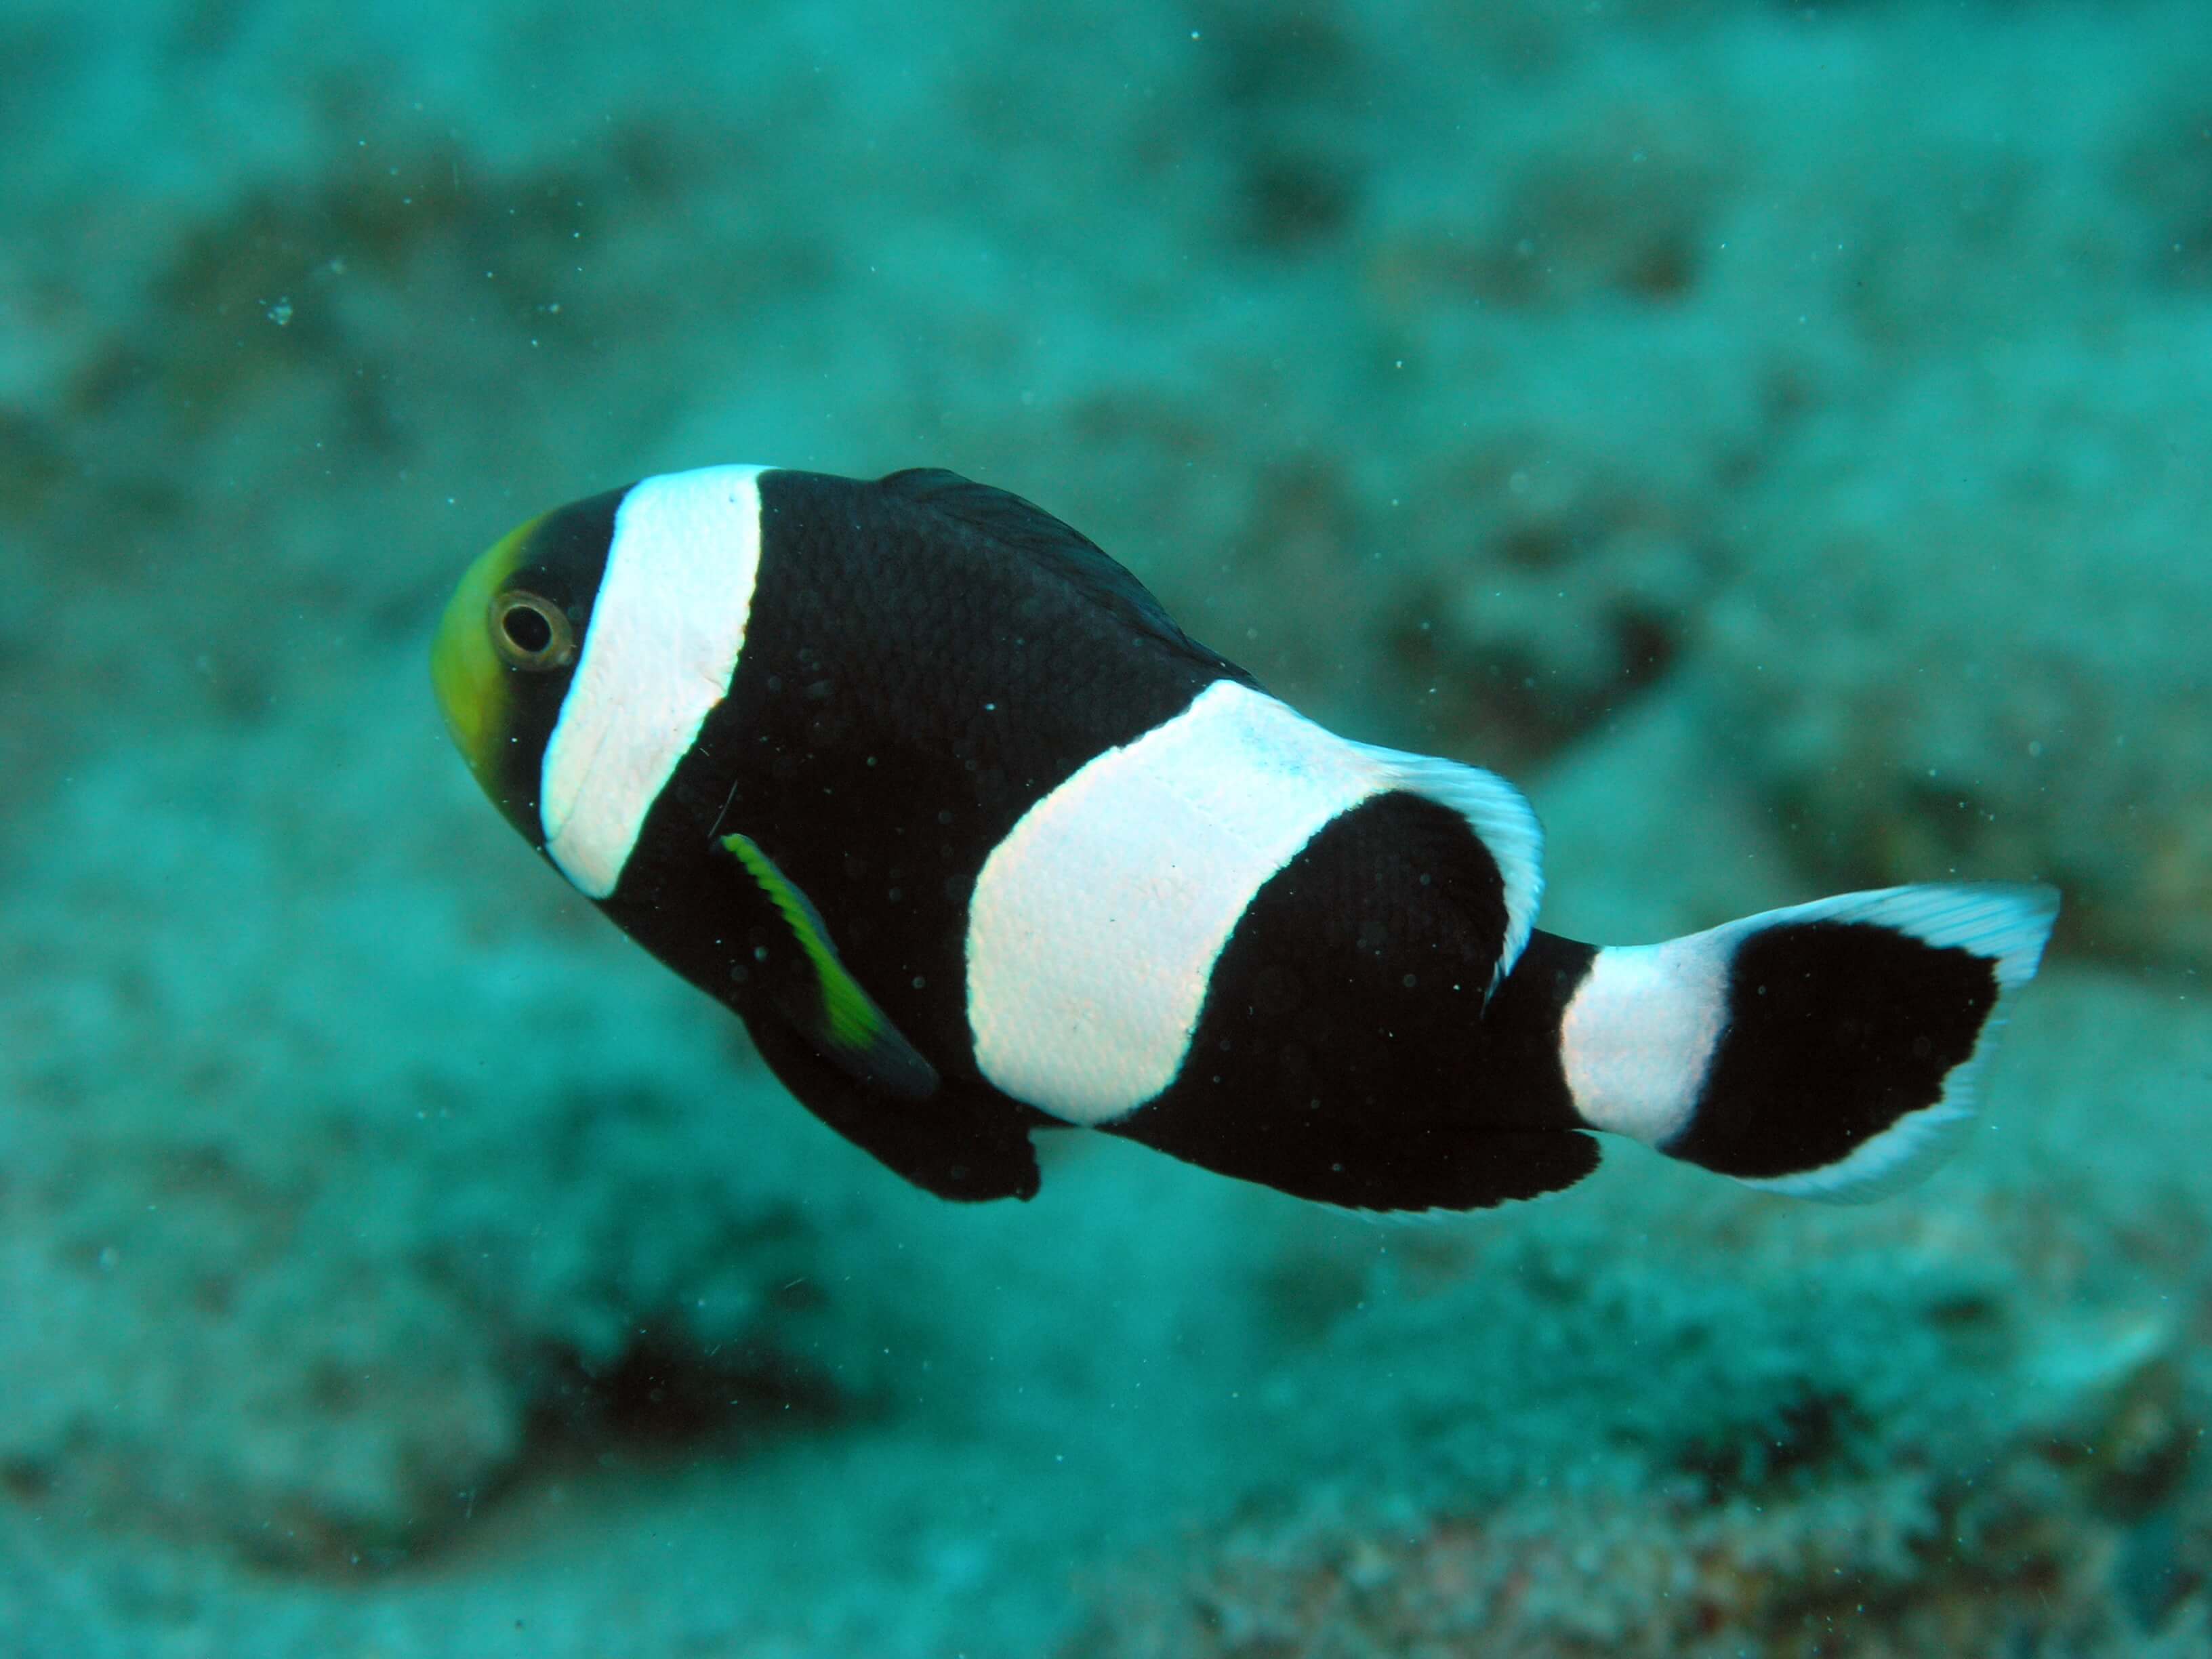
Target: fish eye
<point>532,632</point>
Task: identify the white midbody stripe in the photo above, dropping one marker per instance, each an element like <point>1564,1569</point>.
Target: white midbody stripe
<point>1096,924</point>
<point>665,634</point>
<point>1639,1035</point>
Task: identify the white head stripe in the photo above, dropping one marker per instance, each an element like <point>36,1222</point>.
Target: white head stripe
<point>665,632</point>
<point>1096,924</point>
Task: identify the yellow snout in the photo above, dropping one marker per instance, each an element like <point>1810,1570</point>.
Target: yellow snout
<point>470,677</point>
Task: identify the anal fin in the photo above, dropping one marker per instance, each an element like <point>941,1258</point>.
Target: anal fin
<point>1366,1156</point>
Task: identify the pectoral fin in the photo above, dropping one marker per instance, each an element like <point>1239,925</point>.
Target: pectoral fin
<point>839,1019</point>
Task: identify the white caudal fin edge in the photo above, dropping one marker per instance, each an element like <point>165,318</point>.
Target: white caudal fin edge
<point>1904,1155</point>
<point>2001,922</point>
<point>1500,815</point>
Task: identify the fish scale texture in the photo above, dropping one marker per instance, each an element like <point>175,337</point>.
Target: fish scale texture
<point>1768,434</point>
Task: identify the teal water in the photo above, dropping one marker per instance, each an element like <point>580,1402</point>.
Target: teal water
<point>1775,436</point>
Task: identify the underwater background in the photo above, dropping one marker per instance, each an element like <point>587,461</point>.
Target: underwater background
<point>1777,436</point>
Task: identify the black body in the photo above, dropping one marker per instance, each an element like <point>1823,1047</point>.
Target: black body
<point>925,658</point>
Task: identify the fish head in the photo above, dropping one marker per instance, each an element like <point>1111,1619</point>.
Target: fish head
<point>506,646</point>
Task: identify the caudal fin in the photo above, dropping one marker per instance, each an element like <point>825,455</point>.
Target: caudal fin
<point>1829,1050</point>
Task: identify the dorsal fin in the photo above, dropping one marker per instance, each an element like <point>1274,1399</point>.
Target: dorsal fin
<point>1008,521</point>
<point>1502,821</point>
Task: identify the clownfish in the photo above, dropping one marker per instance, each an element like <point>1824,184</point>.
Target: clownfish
<point>937,797</point>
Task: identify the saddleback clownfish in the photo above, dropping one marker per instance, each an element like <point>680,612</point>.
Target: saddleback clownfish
<point>976,842</point>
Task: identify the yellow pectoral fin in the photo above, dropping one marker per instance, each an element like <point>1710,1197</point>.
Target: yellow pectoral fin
<point>845,1026</point>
